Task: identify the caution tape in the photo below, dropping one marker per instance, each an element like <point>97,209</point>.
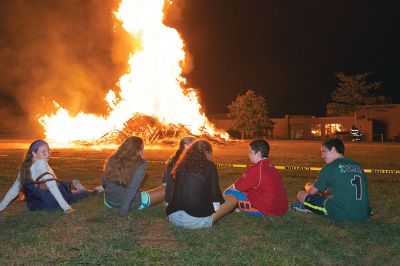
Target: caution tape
<point>310,168</point>
<point>233,165</point>
<point>307,168</point>
<point>299,168</point>
<point>382,171</point>
<point>78,158</point>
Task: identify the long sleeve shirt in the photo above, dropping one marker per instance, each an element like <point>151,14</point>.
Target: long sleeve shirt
<point>11,194</point>
<point>195,192</point>
<point>263,186</point>
<point>168,180</point>
<point>37,168</point>
<point>126,198</point>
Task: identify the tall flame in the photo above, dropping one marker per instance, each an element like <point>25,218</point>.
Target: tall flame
<point>152,87</point>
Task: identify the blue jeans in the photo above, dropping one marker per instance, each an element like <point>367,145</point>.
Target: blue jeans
<point>78,195</point>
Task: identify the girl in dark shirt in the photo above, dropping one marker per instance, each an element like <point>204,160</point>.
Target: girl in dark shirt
<point>197,201</point>
<point>167,179</point>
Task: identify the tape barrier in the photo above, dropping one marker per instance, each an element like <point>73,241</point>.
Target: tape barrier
<point>307,168</point>
<point>382,171</point>
<point>78,158</point>
<point>310,168</point>
<point>233,165</point>
<point>299,168</point>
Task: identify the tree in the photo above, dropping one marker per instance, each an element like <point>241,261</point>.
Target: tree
<point>352,93</point>
<point>249,112</point>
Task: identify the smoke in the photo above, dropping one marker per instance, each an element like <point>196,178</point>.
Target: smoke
<point>69,51</point>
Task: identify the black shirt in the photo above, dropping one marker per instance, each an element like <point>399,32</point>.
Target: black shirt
<point>168,180</point>
<point>195,191</point>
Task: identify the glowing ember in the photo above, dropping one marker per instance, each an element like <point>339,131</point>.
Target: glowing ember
<point>152,87</point>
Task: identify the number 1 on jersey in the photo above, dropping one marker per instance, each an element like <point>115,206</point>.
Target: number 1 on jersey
<point>356,182</point>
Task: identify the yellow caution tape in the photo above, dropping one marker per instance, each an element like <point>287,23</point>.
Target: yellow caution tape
<point>279,167</point>
<point>310,168</point>
<point>382,171</point>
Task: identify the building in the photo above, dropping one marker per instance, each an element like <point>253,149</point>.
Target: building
<point>375,122</point>
<point>386,121</point>
<point>312,127</point>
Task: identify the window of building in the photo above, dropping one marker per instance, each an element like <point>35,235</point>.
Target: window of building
<point>296,134</point>
<point>316,130</point>
<point>332,129</point>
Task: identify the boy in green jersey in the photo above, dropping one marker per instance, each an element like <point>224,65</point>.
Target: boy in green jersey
<point>340,192</point>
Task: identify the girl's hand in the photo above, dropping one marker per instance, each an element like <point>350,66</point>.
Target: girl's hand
<point>21,196</point>
<point>68,211</point>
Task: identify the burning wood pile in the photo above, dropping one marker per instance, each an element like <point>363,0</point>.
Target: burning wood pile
<point>152,131</point>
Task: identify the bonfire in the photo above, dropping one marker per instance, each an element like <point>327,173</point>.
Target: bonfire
<point>152,131</point>
<point>153,101</point>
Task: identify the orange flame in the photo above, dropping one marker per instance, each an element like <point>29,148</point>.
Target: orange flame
<point>152,87</point>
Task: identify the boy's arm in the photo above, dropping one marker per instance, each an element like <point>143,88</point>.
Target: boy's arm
<point>248,180</point>
<point>312,190</point>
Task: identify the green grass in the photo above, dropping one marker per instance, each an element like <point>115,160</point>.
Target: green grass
<point>95,235</point>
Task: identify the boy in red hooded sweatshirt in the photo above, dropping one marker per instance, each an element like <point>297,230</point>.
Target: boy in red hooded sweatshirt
<point>260,190</point>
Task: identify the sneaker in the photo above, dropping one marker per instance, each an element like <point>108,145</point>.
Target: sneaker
<point>297,206</point>
<point>99,189</point>
<point>77,185</point>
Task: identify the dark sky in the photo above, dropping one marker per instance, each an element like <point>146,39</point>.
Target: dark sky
<point>287,51</point>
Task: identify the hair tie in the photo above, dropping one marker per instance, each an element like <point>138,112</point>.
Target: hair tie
<point>35,146</point>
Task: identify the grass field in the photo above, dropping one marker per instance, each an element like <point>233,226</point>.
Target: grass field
<point>95,235</point>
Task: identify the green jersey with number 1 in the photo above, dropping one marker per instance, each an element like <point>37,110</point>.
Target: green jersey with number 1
<point>347,182</point>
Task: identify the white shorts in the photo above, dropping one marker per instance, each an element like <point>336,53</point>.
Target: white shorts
<point>181,218</point>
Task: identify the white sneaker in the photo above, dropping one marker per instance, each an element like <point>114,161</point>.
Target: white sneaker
<point>99,189</point>
<point>297,206</point>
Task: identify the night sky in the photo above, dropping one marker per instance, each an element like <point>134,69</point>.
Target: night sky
<point>289,51</point>
<point>286,51</point>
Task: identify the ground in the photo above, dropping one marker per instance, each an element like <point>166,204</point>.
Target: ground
<point>95,235</point>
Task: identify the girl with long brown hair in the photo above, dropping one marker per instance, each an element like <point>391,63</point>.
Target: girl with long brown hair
<point>34,167</point>
<point>197,201</point>
<point>167,179</point>
<point>123,175</point>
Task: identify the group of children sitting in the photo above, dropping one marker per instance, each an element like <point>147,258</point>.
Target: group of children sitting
<point>190,185</point>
